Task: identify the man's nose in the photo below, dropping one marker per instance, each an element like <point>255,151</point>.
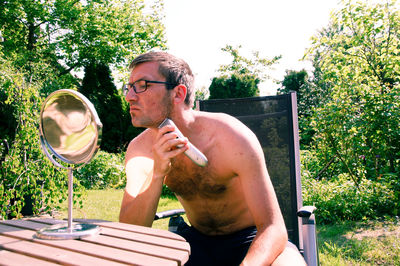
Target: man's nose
<point>131,95</point>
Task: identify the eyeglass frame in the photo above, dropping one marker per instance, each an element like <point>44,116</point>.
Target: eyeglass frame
<point>128,86</point>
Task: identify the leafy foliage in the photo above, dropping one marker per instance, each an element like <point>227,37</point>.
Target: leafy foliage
<point>339,199</point>
<point>351,167</point>
<point>235,86</point>
<point>70,34</point>
<point>299,82</point>
<point>105,170</point>
<point>255,66</point>
<point>310,94</point>
<point>201,93</point>
<point>7,125</point>
<point>241,77</point>
<point>27,176</point>
<point>358,128</point>
<point>43,43</point>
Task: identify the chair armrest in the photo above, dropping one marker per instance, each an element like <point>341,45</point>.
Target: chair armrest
<point>310,246</point>
<point>306,211</point>
<point>169,213</point>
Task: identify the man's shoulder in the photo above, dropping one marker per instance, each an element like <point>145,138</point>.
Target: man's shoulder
<point>217,119</point>
<point>224,123</point>
<point>227,131</point>
<point>141,142</point>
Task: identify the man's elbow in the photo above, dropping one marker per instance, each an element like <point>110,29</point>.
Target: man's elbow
<point>285,237</point>
<point>277,230</point>
<point>282,231</point>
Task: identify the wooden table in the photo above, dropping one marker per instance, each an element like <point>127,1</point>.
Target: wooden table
<point>117,244</point>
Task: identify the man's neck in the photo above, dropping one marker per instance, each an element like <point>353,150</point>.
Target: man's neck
<point>184,120</point>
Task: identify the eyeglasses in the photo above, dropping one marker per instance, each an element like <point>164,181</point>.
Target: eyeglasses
<point>140,85</point>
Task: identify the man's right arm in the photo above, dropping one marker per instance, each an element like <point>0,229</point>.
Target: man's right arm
<point>145,173</point>
<point>142,192</point>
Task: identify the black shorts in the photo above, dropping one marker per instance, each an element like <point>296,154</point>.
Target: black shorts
<point>217,250</point>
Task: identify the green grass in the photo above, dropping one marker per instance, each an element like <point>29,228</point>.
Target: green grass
<point>362,243</point>
<point>105,204</point>
<point>350,243</point>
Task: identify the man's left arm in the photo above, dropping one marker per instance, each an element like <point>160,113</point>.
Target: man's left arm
<point>261,199</point>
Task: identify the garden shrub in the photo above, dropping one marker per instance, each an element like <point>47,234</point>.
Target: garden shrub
<point>105,170</point>
<point>29,182</point>
<point>339,199</point>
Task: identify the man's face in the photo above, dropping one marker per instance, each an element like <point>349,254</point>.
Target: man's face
<point>151,107</point>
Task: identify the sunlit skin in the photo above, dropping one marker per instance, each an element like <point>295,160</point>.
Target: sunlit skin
<point>231,193</point>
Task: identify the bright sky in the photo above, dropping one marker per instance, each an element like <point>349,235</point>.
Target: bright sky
<point>198,29</point>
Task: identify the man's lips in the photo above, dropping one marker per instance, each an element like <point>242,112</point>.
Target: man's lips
<point>133,108</point>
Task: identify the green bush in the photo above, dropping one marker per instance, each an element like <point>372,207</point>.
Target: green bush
<point>234,86</point>
<point>106,170</point>
<point>29,182</point>
<point>339,199</point>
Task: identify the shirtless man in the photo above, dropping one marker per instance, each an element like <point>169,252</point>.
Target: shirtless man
<point>230,198</point>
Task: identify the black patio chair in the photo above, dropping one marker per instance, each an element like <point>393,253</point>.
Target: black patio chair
<point>274,121</point>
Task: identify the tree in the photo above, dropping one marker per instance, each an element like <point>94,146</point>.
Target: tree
<point>201,93</point>
<point>98,86</point>
<point>297,81</point>
<point>235,86</point>
<point>358,57</point>
<point>312,92</point>
<point>70,34</point>
<point>256,66</point>
<point>241,77</point>
<point>42,43</point>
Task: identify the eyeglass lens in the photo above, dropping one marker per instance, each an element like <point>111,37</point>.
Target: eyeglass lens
<point>138,86</point>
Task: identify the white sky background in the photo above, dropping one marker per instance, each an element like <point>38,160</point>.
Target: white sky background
<point>196,31</point>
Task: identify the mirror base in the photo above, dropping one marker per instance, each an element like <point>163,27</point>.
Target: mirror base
<point>62,231</point>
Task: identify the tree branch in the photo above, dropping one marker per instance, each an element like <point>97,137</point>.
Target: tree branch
<point>353,177</point>
<point>326,166</point>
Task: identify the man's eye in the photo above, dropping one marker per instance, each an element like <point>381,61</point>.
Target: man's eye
<point>141,84</point>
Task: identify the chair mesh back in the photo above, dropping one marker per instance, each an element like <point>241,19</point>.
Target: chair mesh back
<point>274,121</point>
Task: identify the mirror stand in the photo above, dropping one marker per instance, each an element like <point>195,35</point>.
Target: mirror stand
<point>70,131</point>
<point>70,230</point>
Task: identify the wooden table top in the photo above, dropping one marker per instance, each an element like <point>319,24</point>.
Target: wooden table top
<point>117,244</point>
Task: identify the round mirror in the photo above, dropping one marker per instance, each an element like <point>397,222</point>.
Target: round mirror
<point>70,127</point>
<point>70,132</point>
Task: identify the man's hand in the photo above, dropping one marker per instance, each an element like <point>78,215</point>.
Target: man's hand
<point>166,147</point>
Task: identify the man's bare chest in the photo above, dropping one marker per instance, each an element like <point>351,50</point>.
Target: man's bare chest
<point>188,180</point>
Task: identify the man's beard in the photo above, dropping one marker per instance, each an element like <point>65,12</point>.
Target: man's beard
<point>148,121</point>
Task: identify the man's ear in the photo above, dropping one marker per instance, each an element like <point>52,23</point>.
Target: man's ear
<point>180,93</point>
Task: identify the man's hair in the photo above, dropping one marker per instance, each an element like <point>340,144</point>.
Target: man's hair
<point>175,70</point>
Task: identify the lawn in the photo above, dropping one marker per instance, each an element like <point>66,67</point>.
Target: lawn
<point>362,243</point>
<point>105,204</point>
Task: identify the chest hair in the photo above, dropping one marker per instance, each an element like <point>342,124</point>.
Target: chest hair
<point>189,180</point>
